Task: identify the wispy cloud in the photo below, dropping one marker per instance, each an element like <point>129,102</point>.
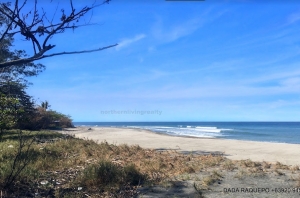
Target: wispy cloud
<point>165,32</point>
<point>276,76</point>
<point>127,42</point>
<point>169,33</point>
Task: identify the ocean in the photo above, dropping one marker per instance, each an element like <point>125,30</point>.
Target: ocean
<point>281,132</point>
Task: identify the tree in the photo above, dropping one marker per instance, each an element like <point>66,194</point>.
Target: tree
<point>45,105</point>
<point>12,89</point>
<point>8,113</point>
<point>50,119</point>
<point>15,72</point>
<point>17,106</point>
<point>38,28</point>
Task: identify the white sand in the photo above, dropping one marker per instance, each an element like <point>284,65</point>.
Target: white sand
<point>233,149</point>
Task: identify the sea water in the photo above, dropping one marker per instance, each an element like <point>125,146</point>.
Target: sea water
<point>282,132</point>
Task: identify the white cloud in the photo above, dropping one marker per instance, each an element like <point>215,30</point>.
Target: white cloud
<point>276,76</point>
<point>127,42</point>
<point>171,33</point>
<point>166,32</point>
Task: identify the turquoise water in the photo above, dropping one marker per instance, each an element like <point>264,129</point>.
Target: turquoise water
<point>283,132</point>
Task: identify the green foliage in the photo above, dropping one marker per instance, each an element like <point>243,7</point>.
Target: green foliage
<point>44,119</point>
<point>9,111</point>
<point>19,71</point>
<point>133,176</point>
<point>18,159</point>
<point>106,174</point>
<point>102,174</point>
<point>60,157</point>
<point>18,110</point>
<point>17,106</point>
<point>45,105</point>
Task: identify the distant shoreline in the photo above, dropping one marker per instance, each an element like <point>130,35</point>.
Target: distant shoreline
<point>232,149</point>
<point>274,132</point>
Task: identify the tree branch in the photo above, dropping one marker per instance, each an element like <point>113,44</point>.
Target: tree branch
<point>10,23</point>
<point>37,28</point>
<point>41,56</point>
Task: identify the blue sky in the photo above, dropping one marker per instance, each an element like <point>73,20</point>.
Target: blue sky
<point>192,61</point>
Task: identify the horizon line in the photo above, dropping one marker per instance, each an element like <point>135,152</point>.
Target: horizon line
<point>185,121</point>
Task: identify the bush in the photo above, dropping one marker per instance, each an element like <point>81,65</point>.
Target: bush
<point>102,174</point>
<point>132,176</point>
<point>106,174</point>
<point>43,119</point>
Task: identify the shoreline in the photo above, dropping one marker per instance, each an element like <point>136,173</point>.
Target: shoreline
<point>186,136</point>
<point>232,149</point>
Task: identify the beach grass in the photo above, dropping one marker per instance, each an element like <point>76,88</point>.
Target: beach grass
<point>61,165</point>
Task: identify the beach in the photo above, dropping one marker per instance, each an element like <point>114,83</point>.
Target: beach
<point>232,149</point>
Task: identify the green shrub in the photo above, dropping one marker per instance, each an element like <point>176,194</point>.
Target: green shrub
<point>133,176</point>
<point>106,174</point>
<point>48,119</point>
<point>101,174</point>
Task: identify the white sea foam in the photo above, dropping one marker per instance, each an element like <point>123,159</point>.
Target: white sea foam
<point>208,130</point>
<point>226,129</point>
<point>193,131</point>
<point>201,127</point>
<point>164,127</point>
<point>135,127</point>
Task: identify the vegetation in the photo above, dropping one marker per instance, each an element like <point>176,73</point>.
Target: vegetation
<point>50,119</point>
<point>60,165</point>
<point>7,113</point>
<point>17,110</point>
<point>51,164</point>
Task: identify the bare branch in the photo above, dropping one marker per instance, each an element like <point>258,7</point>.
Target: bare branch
<point>65,22</point>
<point>7,29</point>
<point>39,30</point>
<point>34,47</point>
<point>21,5</point>
<point>54,14</point>
<point>38,57</point>
<point>34,14</point>
<point>72,8</point>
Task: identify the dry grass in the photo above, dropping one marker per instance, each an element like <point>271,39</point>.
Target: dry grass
<point>229,165</point>
<point>249,164</point>
<point>294,168</point>
<point>211,179</point>
<point>69,164</point>
<point>266,165</point>
<point>241,173</point>
<point>279,165</point>
<point>74,167</point>
<point>279,173</point>
<point>198,190</point>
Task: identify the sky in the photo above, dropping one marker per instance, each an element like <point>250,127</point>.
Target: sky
<point>215,60</point>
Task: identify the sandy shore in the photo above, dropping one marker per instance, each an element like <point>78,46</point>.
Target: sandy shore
<point>233,149</point>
